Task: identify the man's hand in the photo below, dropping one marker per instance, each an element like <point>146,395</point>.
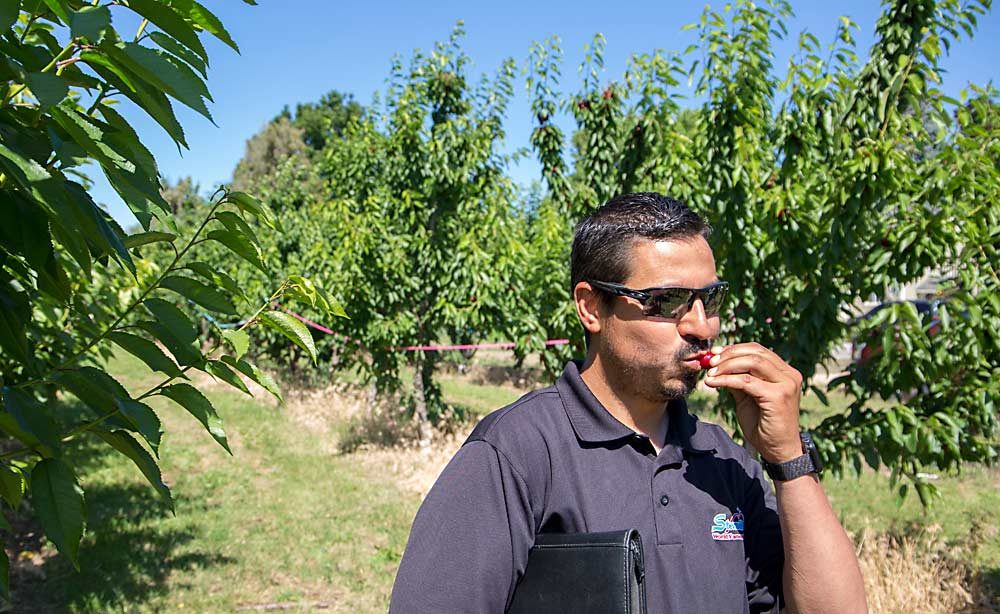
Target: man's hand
<point>767,391</point>
<point>821,572</point>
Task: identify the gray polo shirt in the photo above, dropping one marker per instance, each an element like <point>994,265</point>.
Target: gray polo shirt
<point>557,461</point>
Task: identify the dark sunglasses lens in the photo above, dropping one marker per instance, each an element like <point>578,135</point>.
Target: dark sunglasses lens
<point>669,302</point>
<point>713,299</point>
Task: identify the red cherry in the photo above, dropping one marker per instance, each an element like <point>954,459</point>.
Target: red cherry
<point>705,360</point>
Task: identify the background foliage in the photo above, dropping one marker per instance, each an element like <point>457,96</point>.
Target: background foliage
<point>828,182</point>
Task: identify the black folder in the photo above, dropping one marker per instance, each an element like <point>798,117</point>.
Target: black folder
<point>582,573</point>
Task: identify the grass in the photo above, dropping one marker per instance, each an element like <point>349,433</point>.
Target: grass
<point>968,511</point>
<point>281,521</point>
<point>288,521</point>
<point>476,400</point>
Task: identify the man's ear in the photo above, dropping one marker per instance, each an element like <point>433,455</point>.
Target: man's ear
<point>588,304</point>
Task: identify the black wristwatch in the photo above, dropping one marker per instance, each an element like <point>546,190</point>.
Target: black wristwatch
<point>807,463</point>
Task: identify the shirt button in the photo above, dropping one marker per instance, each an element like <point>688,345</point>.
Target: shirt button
<point>664,500</point>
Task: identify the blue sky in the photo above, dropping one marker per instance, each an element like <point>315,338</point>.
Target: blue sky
<point>296,50</point>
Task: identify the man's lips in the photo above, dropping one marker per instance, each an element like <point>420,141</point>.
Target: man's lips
<point>692,362</point>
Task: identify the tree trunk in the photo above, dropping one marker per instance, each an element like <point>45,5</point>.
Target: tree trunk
<point>424,432</point>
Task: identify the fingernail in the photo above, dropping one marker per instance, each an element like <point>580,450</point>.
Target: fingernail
<point>712,371</point>
<point>714,360</point>
<point>717,349</point>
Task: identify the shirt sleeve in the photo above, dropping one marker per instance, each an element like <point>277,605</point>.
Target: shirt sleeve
<point>765,553</point>
<point>470,539</point>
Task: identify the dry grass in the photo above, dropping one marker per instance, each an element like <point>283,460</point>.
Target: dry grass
<point>413,470</point>
<point>920,572</point>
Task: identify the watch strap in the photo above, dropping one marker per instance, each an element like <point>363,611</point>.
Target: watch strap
<point>789,469</point>
<point>809,462</point>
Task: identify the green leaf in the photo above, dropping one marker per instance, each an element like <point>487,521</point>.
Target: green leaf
<point>123,139</point>
<point>127,445</point>
<point>24,230</point>
<point>143,420</point>
<point>171,22</point>
<point>186,353</point>
<point>250,370</point>
<point>24,170</point>
<point>303,289</point>
<point>139,188</point>
<point>197,405</point>
<point>58,503</point>
<point>172,46</point>
<point>47,88</point>
<point>90,22</point>
<point>173,328</point>
<point>292,329</point>
<point>222,371</point>
<point>15,313</point>
<point>206,19</point>
<point>9,11</point>
<point>172,318</point>
<point>146,351</point>
<point>12,485</point>
<point>58,7</point>
<point>94,387</point>
<point>89,133</point>
<point>149,99</point>
<point>28,420</point>
<point>204,295</point>
<point>158,70</point>
<point>248,203</point>
<point>235,224</point>
<point>239,339</point>
<point>145,238</point>
<point>240,245</point>
<point>94,221</point>
<point>217,277</point>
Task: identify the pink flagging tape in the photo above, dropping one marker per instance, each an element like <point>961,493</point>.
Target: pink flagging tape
<point>506,345</point>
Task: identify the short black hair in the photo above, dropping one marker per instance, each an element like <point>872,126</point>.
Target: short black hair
<point>603,241</point>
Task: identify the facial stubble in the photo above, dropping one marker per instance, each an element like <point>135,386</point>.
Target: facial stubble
<point>659,382</point>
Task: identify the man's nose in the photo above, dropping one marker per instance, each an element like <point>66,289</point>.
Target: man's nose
<point>695,323</point>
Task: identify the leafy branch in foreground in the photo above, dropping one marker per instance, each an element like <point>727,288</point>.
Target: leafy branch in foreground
<point>74,285</point>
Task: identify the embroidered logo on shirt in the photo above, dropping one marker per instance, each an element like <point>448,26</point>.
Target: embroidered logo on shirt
<point>728,528</point>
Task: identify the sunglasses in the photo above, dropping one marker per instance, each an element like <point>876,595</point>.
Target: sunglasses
<point>671,302</point>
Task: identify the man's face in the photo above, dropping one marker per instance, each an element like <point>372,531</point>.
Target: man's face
<point>647,353</point>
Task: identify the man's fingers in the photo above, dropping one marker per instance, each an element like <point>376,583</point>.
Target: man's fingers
<point>753,364</point>
<point>754,349</point>
<point>743,382</point>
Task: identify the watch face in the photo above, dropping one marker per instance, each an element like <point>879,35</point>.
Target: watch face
<point>809,447</point>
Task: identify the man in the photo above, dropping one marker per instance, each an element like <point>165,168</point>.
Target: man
<point>611,446</point>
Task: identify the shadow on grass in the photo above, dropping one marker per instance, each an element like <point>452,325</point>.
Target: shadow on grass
<point>131,548</point>
<point>987,583</point>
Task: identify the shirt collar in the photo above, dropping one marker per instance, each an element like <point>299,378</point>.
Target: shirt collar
<point>593,423</point>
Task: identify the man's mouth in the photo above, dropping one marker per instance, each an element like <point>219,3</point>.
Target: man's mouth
<point>698,360</point>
